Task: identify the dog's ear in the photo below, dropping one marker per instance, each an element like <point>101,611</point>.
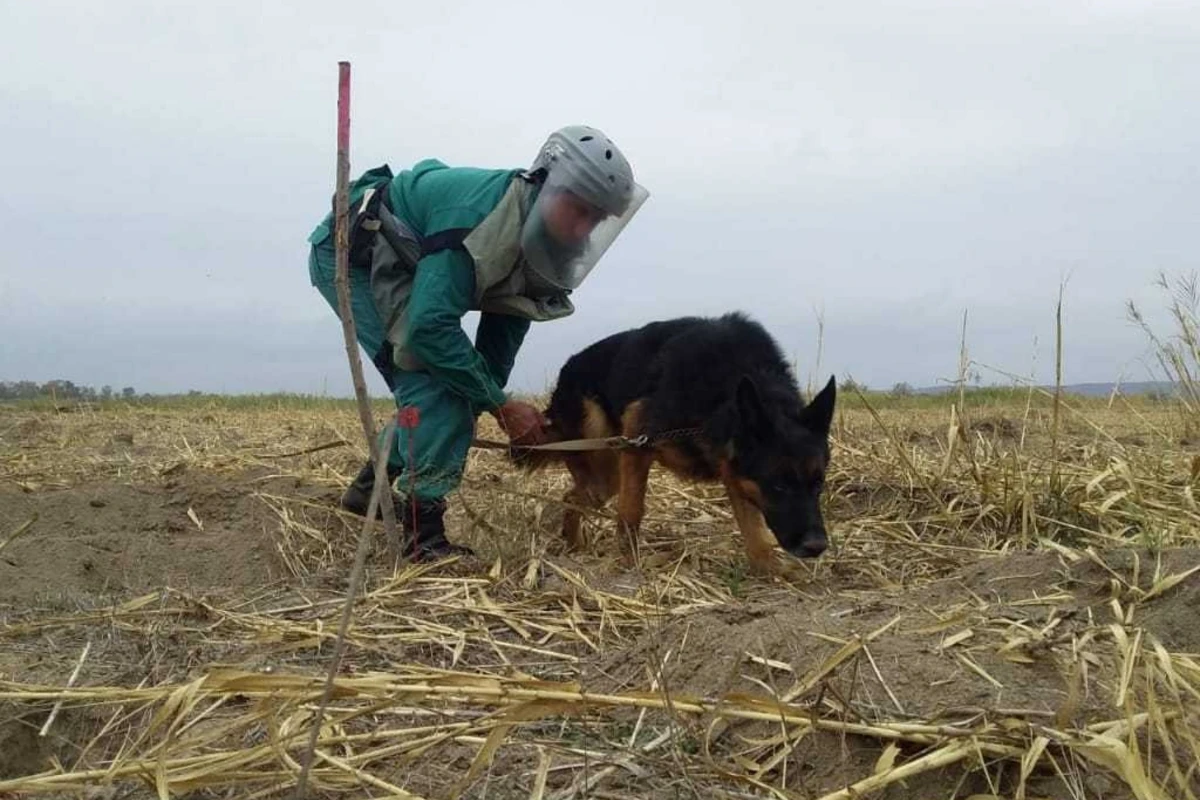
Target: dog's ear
<point>751,416</point>
<point>818,414</point>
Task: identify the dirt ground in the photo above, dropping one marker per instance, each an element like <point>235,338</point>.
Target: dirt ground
<point>114,539</point>
<point>159,567</point>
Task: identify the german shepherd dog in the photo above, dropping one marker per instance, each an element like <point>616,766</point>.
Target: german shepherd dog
<point>717,402</point>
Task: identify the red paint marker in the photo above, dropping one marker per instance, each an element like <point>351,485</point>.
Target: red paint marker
<point>343,127</point>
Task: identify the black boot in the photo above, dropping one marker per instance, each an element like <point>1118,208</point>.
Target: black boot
<point>431,539</point>
<point>358,494</point>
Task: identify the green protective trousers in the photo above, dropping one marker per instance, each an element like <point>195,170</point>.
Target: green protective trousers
<point>446,426</point>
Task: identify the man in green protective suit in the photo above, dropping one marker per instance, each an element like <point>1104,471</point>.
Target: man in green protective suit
<point>434,242</point>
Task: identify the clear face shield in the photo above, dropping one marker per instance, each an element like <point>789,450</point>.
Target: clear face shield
<point>566,234</point>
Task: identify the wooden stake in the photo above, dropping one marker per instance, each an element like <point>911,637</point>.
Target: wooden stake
<point>378,497</point>
<point>381,495</point>
<point>342,280</point>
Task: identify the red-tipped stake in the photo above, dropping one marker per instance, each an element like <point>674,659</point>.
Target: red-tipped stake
<point>381,494</point>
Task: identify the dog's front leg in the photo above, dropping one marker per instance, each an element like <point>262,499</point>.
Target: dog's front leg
<point>577,496</point>
<point>634,466</point>
<point>756,536</point>
<point>595,481</point>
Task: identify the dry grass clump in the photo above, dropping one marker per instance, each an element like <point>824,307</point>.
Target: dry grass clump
<point>1006,611</point>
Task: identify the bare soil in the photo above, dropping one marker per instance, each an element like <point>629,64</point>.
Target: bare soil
<point>230,538</point>
<point>114,539</point>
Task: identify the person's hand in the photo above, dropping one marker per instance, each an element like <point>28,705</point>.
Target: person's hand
<point>523,423</point>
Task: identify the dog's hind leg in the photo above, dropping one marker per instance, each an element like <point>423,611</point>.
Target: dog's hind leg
<point>756,536</point>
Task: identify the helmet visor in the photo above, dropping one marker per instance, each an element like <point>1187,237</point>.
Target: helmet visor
<point>565,235</point>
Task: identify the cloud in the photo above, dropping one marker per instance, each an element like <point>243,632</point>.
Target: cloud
<point>890,163</point>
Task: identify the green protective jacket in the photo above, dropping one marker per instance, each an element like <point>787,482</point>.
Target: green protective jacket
<point>422,307</point>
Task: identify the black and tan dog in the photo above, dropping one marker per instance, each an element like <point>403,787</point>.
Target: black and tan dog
<point>717,402</point>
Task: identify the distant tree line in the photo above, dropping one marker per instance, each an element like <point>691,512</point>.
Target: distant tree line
<point>62,390</point>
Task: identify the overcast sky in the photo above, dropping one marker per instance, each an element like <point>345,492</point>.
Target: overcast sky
<point>886,164</point>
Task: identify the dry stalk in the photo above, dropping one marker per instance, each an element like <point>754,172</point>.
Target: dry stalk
<point>356,575</point>
<point>525,656</point>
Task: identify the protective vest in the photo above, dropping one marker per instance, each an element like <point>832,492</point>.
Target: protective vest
<point>382,243</point>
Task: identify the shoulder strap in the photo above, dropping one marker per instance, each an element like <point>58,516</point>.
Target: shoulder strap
<point>450,239</point>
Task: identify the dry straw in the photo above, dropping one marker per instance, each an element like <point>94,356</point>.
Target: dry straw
<point>1004,612</point>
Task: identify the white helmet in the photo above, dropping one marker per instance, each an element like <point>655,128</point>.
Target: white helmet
<point>588,196</point>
